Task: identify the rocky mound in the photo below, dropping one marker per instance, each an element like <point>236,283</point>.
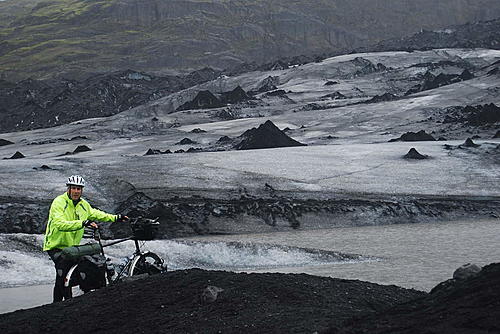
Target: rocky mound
<point>4,142</point>
<point>469,306</point>
<point>203,100</point>
<point>17,155</point>
<point>414,154</point>
<point>267,135</point>
<point>431,81</point>
<point>198,301</point>
<point>414,136</point>
<point>479,115</point>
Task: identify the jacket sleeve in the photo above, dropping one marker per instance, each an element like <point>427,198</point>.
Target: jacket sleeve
<point>58,219</point>
<point>101,216</point>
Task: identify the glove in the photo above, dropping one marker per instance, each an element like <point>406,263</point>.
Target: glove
<point>121,218</point>
<point>89,223</point>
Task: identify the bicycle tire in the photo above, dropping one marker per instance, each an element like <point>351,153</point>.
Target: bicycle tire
<point>147,263</point>
<point>72,283</point>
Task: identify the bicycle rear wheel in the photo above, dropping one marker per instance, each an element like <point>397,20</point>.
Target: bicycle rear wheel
<point>147,263</point>
<point>72,283</point>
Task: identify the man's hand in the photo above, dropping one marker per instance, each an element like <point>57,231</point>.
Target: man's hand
<point>90,224</point>
<point>121,218</point>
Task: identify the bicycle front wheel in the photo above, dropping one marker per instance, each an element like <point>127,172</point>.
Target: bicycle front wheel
<point>147,263</point>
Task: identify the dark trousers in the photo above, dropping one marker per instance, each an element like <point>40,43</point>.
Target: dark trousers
<point>62,268</point>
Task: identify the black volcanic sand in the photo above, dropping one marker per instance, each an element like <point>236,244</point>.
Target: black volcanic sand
<point>172,303</point>
<point>270,303</point>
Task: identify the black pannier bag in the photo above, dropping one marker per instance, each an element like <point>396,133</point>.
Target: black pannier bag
<point>144,229</point>
<point>92,272</point>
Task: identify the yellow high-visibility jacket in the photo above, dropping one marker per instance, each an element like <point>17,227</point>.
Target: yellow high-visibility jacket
<point>65,223</point>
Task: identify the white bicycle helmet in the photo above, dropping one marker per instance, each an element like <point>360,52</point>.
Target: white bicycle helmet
<point>75,180</point>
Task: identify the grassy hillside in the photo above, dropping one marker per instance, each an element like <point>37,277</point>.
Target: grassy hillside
<point>74,37</point>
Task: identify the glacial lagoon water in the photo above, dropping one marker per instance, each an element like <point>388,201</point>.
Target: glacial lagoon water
<point>415,256</point>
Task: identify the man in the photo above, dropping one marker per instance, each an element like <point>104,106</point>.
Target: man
<point>68,216</point>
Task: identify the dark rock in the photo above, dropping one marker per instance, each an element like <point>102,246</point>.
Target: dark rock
<point>382,98</point>
<point>203,100</point>
<point>194,149</point>
<point>267,135</point>
<point>4,142</point>
<point>415,136</point>
<point>226,114</point>
<point>81,148</point>
<point>197,130</point>
<point>223,139</point>
<point>269,83</point>
<point>234,96</point>
<point>442,79</point>
<point>180,151</point>
<point>186,141</point>
<point>155,119</point>
<point>43,167</point>
<point>152,152</point>
<point>334,96</point>
<point>442,139</point>
<point>469,143</point>
<point>330,83</point>
<point>17,155</point>
<point>209,295</point>
<point>466,271</point>
<point>413,154</point>
<point>279,92</point>
<point>497,135</point>
<point>481,115</point>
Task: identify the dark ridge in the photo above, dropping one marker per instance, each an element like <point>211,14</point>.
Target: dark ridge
<point>197,130</point>
<point>414,136</point>
<point>82,148</point>
<point>414,154</point>
<point>267,135</point>
<point>186,141</point>
<point>497,135</point>
<point>154,152</point>
<point>382,98</point>
<point>486,114</point>
<point>4,142</point>
<point>442,79</point>
<point>279,92</point>
<point>203,100</point>
<point>330,83</point>
<point>234,96</point>
<point>33,104</point>
<point>223,139</point>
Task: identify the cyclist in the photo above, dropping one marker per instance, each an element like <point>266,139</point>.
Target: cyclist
<point>68,216</point>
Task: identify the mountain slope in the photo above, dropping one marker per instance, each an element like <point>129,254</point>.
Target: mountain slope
<point>74,37</point>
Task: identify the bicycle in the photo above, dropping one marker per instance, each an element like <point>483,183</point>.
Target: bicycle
<point>140,263</point>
